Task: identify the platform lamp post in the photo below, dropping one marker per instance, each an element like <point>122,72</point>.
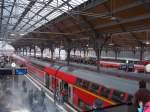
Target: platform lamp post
<point>13,65</point>
<point>55,83</point>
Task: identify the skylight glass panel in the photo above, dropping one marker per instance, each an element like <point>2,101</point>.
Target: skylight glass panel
<point>57,7</point>
<point>44,12</point>
<point>13,21</point>
<point>30,14</point>
<point>36,18</point>
<point>55,3</point>
<point>37,6</point>
<point>54,15</point>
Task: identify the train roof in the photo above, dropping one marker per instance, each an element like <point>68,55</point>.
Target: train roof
<point>121,84</point>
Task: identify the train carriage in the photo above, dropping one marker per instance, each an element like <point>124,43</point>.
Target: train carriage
<point>84,87</point>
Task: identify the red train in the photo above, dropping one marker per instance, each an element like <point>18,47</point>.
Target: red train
<point>112,63</point>
<point>83,87</point>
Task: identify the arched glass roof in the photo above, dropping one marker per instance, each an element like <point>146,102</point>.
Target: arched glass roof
<point>27,15</point>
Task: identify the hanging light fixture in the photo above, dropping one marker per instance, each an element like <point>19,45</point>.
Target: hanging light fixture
<point>113,18</point>
<point>111,43</point>
<point>147,42</point>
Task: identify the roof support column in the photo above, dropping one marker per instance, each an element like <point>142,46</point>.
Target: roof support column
<point>116,51</point>
<point>74,51</point>
<point>68,47</point>
<point>26,51</point>
<point>19,51</point>
<point>23,51</point>
<point>84,50</point>
<point>141,52</point>
<point>42,50</point>
<point>34,51</point>
<point>30,49</point>
<point>52,53</point>
<point>99,42</point>
<point>59,52</point>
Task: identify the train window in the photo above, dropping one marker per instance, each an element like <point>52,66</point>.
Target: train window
<point>130,99</point>
<point>85,84</point>
<point>94,88</point>
<point>87,107</point>
<point>105,92</point>
<point>80,103</point>
<point>69,91</point>
<point>118,96</point>
<point>79,82</point>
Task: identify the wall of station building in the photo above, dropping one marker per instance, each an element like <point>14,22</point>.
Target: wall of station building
<point>111,54</point>
<point>91,53</point>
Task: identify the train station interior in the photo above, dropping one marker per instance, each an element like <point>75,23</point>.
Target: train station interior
<point>74,55</point>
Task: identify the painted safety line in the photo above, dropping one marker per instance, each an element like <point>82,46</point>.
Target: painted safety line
<point>33,83</point>
<point>50,92</point>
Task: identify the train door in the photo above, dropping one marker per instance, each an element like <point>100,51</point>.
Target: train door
<point>68,90</point>
<point>70,93</point>
<point>47,80</point>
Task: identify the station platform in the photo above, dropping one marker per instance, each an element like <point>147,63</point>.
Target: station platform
<point>14,99</point>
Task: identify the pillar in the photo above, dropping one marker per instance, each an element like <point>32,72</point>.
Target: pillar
<point>26,51</point>
<point>99,42</point>
<point>98,55</point>
<point>23,51</point>
<point>42,50</point>
<point>141,52</point>
<point>68,56</point>
<point>59,52</point>
<point>30,51</point>
<point>74,51</point>
<point>68,47</point>
<point>84,53</point>
<point>34,52</point>
<point>52,53</point>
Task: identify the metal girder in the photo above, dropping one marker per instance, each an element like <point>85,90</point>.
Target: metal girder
<point>146,6</point>
<point>135,4</point>
<point>120,9</point>
<point>1,16</point>
<point>11,13</point>
<point>135,29</point>
<point>48,14</point>
<point>121,22</point>
<point>122,26</point>
<point>36,14</point>
<point>27,9</point>
<point>84,19</point>
<point>22,20</point>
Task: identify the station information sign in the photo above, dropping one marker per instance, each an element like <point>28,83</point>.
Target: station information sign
<point>21,71</point>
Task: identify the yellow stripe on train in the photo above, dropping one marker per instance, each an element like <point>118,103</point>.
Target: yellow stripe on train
<point>99,97</point>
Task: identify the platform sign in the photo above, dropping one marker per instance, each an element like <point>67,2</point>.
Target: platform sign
<point>21,71</point>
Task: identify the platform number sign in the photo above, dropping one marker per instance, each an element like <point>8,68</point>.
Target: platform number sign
<point>21,71</point>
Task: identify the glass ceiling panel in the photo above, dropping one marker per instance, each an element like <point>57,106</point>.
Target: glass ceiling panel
<point>37,7</point>
<point>51,11</point>
<point>36,18</point>
<point>45,12</point>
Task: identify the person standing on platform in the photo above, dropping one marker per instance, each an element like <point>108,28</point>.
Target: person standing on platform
<point>31,96</point>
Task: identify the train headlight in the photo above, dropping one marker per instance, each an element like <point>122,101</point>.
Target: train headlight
<point>147,68</point>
